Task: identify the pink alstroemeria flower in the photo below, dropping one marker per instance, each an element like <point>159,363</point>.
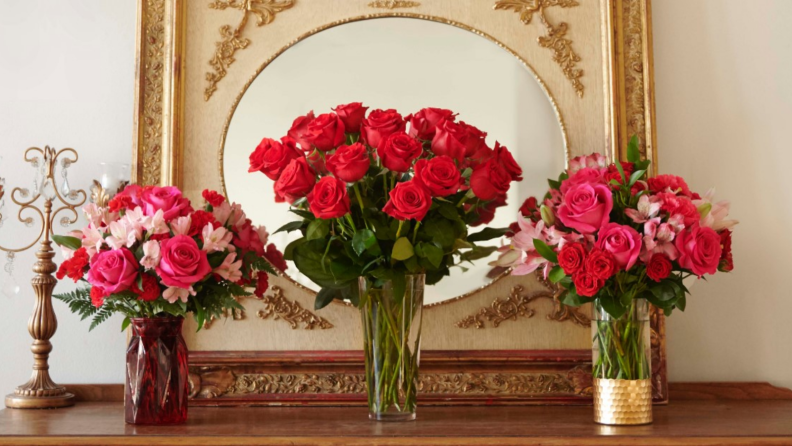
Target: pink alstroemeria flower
<point>151,254</point>
<point>715,217</point>
<point>594,161</point>
<point>216,239</point>
<point>658,238</point>
<point>181,225</point>
<point>172,294</point>
<point>229,269</point>
<point>647,208</point>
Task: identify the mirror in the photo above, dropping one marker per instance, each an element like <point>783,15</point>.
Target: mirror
<point>406,64</point>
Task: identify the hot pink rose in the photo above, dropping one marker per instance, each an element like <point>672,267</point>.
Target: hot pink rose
<point>585,175</point>
<point>699,250</point>
<point>183,263</point>
<point>623,242</point>
<point>113,271</point>
<point>169,199</point>
<point>586,207</point>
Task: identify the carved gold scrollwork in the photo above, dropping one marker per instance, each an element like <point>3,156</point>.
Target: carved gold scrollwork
<point>393,4</point>
<point>634,71</point>
<point>152,67</point>
<point>556,39</point>
<point>232,40</point>
<point>278,307</point>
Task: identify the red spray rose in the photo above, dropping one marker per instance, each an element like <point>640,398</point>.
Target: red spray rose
<point>699,250</point>
<point>398,151</point>
<point>586,284</point>
<point>726,261</point>
<point>299,131</point>
<point>352,115</point>
<point>212,197</point>
<point>74,268</point>
<point>439,175</point>
<point>658,268</point>
<point>490,180</point>
<point>506,160</point>
<point>151,289</point>
<point>326,132</point>
<point>423,125</point>
<point>296,180</point>
<point>262,284</point>
<point>449,140</point>
<point>329,198</point>
<point>529,207</point>
<point>182,263</point>
<point>379,125</point>
<point>601,264</point>
<point>409,200</point>
<point>349,163</point>
<point>572,257</point>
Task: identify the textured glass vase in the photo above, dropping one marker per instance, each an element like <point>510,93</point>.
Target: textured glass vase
<point>156,372</point>
<point>391,344</point>
<point>622,365</point>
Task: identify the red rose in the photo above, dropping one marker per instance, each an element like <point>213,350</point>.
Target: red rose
<point>623,242</point>
<point>326,132</point>
<point>329,198</point>
<point>398,151</point>
<point>296,180</point>
<point>182,263</point>
<point>212,197</point>
<point>726,261</point>
<point>529,207</point>
<point>349,163</point>
<point>169,199</point>
<point>151,289</point>
<point>275,257</point>
<point>423,125</point>
<point>669,183</point>
<point>74,268</point>
<point>439,175</point>
<point>490,180</point>
<point>474,138</point>
<point>506,160</point>
<point>449,140</point>
<point>247,238</point>
<point>481,156</point>
<point>586,284</point>
<point>262,284</point>
<point>613,173</point>
<point>514,228</point>
<point>572,257</point>
<point>699,250</point>
<point>601,264</point>
<point>379,125</point>
<point>352,115</point>
<point>97,296</point>
<point>299,131</point>
<point>409,200</point>
<point>658,268</point>
<point>199,219</point>
<point>486,213</point>
<point>271,157</point>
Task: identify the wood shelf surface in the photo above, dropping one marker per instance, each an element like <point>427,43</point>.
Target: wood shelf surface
<point>683,422</point>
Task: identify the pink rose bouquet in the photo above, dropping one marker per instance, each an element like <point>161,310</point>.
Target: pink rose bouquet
<point>149,253</point>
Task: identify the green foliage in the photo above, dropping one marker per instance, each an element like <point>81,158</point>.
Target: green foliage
<point>72,243</point>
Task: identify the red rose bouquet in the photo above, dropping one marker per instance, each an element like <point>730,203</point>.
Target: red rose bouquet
<point>611,236</point>
<point>150,254</point>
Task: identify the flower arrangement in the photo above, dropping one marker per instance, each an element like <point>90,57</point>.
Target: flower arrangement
<point>610,235</point>
<point>150,254</point>
<point>380,200</point>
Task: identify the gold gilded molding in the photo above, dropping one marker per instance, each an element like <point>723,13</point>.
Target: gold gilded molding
<point>232,40</point>
<point>517,305</point>
<point>393,4</point>
<point>555,39</point>
<point>278,307</point>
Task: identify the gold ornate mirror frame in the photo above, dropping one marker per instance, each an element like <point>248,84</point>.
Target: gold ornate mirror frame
<point>510,342</point>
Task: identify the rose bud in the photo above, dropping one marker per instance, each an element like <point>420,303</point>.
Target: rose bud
<point>329,199</point>
<point>326,132</point>
<point>547,215</point>
<point>296,180</point>
<point>489,180</point>
<point>423,125</point>
<point>398,152</point>
<point>299,131</point>
<point>349,163</point>
<point>271,157</point>
<point>379,125</point>
<point>352,115</point>
<point>409,200</point>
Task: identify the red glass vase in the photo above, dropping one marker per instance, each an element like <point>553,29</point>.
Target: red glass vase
<point>156,375</point>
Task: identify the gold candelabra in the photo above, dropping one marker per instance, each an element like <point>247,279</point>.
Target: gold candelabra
<point>40,392</point>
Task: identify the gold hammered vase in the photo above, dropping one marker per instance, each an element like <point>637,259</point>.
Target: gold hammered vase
<point>623,401</point>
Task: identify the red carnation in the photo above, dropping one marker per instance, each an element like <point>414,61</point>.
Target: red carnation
<point>669,183</point>
<point>97,296</point>
<point>212,197</point>
<point>262,284</point>
<point>586,284</point>
<point>199,219</point>
<point>120,202</point>
<point>74,268</point>
<point>572,257</point>
<point>151,289</point>
<point>275,258</point>
<point>601,264</point>
<point>659,267</point>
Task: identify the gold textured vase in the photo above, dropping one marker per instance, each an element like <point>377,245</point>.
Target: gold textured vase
<point>622,402</point>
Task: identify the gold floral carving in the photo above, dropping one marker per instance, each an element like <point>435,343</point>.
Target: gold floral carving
<point>517,305</point>
<point>496,383</point>
<point>231,37</point>
<point>555,39</point>
<point>634,71</point>
<point>278,307</point>
<point>152,68</point>
<point>393,4</point>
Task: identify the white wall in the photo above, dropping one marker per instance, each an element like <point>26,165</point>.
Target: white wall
<point>724,92</point>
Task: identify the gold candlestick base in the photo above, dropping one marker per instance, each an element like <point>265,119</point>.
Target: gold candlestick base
<point>622,402</point>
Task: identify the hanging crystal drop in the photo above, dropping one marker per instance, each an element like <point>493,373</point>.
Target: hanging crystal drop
<point>10,286</point>
<point>47,189</point>
<point>35,164</point>
<point>65,188</point>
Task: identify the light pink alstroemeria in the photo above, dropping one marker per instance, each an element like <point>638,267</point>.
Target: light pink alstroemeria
<point>181,225</point>
<point>529,231</point>
<point>222,212</point>
<point>172,294</point>
<point>151,254</point>
<point>509,257</point>
<point>154,224</point>
<point>216,239</point>
<point>647,208</point>
<point>658,238</point>
<point>263,235</point>
<point>530,263</point>
<point>98,217</point>
<point>595,161</point>
<point>715,217</point>
<point>123,234</point>
<point>237,217</point>
<point>92,240</point>
<point>229,269</point>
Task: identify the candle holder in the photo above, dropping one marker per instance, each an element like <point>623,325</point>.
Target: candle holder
<point>40,392</point>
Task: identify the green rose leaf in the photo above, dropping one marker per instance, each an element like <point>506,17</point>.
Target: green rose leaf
<point>317,229</point>
<point>290,226</point>
<point>633,153</point>
<point>432,253</point>
<point>363,240</point>
<point>487,234</point>
<point>402,249</point>
<point>72,243</point>
<point>556,274</point>
<point>545,251</point>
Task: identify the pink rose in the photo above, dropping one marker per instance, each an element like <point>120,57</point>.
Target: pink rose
<point>585,175</point>
<point>113,271</point>
<point>699,250</point>
<point>182,263</point>
<point>623,242</point>
<point>169,199</point>
<point>586,207</point>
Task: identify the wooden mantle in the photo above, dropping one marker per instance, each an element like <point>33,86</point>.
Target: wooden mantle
<point>701,414</point>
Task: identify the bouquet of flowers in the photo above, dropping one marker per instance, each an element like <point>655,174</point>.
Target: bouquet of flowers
<point>380,200</point>
<point>610,235</point>
<point>150,254</point>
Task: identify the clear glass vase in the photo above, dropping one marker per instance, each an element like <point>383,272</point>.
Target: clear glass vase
<point>157,384</point>
<point>622,365</point>
<point>392,344</point>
